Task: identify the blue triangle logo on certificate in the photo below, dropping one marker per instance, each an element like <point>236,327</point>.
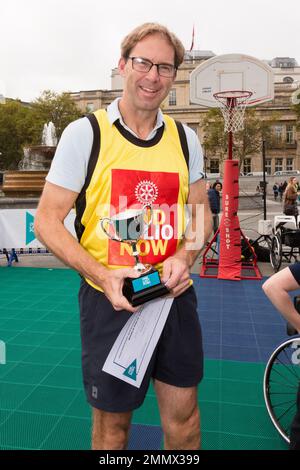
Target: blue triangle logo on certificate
<point>131,370</point>
<point>30,235</point>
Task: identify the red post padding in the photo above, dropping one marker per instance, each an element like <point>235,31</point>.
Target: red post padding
<point>230,237</point>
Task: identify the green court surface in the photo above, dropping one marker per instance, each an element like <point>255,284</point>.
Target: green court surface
<point>42,403</point>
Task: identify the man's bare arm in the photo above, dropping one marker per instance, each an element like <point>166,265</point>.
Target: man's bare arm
<point>276,289</point>
<point>55,204</point>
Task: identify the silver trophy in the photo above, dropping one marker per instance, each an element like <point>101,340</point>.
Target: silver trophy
<point>129,227</point>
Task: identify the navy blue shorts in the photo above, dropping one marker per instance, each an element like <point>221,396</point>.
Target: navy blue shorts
<point>177,359</point>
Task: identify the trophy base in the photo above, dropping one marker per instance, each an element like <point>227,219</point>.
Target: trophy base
<point>146,287</point>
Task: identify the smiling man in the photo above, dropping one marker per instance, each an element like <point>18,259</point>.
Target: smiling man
<point>127,155</point>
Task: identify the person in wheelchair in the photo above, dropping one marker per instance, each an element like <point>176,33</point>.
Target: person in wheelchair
<point>277,289</point>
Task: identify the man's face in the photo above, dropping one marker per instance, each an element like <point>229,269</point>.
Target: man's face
<point>146,90</point>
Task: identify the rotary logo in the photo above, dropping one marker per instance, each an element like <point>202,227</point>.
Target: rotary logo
<point>146,192</point>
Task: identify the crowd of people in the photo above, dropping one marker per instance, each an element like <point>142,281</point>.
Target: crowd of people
<point>278,190</point>
<point>289,193</point>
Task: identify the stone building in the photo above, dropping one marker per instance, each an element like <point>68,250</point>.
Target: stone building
<point>283,152</point>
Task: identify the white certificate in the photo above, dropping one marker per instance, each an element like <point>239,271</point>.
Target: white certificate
<point>131,353</point>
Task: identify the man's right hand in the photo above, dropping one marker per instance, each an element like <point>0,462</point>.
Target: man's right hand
<point>112,285</point>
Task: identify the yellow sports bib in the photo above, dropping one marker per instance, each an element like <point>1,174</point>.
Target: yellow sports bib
<point>131,173</point>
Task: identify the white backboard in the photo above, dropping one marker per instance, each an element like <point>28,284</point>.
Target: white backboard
<point>230,72</point>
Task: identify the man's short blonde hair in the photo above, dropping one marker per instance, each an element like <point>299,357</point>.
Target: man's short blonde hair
<point>146,29</point>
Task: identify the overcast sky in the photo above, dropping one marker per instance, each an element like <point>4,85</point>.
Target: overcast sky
<point>72,45</point>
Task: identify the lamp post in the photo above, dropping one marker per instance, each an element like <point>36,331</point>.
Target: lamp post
<point>264,178</point>
<point>205,162</point>
<point>204,156</point>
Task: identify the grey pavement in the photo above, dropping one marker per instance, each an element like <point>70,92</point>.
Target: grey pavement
<point>248,222</point>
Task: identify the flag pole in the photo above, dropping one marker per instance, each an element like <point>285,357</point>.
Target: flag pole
<point>193,37</point>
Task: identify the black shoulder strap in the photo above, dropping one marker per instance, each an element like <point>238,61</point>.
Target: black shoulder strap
<point>95,148</point>
<point>183,141</point>
<point>81,200</point>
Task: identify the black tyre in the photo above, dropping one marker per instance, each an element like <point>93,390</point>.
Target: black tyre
<point>281,382</point>
<point>276,252</point>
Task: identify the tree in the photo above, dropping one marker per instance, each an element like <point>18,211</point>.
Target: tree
<point>249,140</point>
<point>16,131</point>
<point>246,142</point>
<point>215,139</point>
<point>58,108</point>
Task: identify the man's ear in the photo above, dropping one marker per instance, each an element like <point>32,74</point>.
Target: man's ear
<point>173,79</point>
<point>121,65</point>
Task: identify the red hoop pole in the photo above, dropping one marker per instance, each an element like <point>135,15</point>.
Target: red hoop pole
<point>230,145</point>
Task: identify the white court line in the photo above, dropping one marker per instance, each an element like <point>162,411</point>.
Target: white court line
<point>253,213</point>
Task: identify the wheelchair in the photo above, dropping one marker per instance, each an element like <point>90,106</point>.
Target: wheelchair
<point>282,381</point>
<point>285,241</point>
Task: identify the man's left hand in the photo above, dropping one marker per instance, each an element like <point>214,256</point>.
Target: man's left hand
<point>176,275</point>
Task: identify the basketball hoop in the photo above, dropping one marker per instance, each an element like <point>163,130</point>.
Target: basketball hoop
<point>233,106</point>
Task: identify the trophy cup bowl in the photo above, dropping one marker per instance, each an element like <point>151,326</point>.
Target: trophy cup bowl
<point>129,227</point>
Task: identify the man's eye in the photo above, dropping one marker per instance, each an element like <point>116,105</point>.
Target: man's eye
<point>165,68</point>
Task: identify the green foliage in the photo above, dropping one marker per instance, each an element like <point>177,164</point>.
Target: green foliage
<point>16,131</point>
<point>247,141</point>
<point>58,108</point>
<point>215,139</point>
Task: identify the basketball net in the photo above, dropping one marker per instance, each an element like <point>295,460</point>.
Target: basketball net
<point>233,105</point>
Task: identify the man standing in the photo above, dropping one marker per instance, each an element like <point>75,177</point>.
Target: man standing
<point>275,191</point>
<point>132,152</point>
<point>214,202</point>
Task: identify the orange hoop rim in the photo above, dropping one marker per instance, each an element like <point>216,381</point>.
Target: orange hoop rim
<point>237,94</point>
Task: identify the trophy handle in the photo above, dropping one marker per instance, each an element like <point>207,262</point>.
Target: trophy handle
<point>147,224</point>
<point>112,237</point>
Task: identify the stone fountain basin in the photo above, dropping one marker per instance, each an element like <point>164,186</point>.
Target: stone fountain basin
<point>47,151</point>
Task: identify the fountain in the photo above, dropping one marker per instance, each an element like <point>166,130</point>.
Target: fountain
<point>29,179</point>
<point>39,157</point>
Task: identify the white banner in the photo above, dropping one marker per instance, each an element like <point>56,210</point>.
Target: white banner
<point>17,228</point>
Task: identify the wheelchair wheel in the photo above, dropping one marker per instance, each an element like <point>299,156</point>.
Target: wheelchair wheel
<point>276,252</point>
<point>281,382</point>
